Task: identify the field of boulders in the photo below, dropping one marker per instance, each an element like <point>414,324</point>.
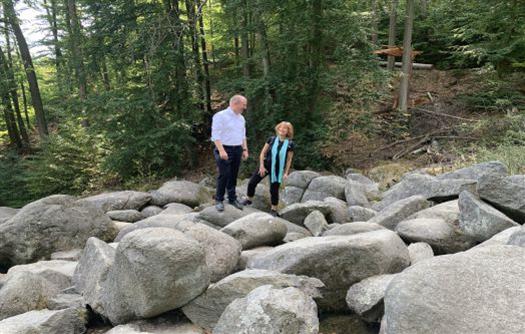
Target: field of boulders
<point>431,254</point>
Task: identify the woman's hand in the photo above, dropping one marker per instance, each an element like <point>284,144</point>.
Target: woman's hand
<point>262,171</point>
<point>285,176</point>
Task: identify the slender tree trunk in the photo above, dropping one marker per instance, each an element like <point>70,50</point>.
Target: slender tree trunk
<point>105,75</point>
<point>212,49</point>
<point>9,69</point>
<point>245,42</point>
<point>424,8</point>
<point>24,100</point>
<point>375,20</point>
<point>199,77</point>
<point>9,115</point>
<point>392,33</point>
<point>51,15</point>
<point>29,68</point>
<point>75,40</point>
<point>205,62</point>
<point>407,57</point>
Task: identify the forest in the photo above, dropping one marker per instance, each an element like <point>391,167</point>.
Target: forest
<point>126,89</point>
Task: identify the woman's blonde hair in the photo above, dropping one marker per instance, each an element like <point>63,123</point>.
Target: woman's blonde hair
<point>288,125</point>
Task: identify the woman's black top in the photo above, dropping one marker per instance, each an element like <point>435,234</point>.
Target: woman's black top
<point>268,158</point>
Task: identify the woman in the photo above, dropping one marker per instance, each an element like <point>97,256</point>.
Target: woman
<point>275,159</point>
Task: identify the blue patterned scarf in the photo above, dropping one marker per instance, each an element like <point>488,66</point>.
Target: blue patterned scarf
<point>282,160</point>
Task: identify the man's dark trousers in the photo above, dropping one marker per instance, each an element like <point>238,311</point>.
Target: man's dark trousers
<point>228,171</point>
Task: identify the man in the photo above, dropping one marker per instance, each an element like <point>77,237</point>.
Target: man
<point>228,132</point>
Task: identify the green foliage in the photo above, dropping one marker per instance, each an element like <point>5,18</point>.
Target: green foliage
<point>13,188</point>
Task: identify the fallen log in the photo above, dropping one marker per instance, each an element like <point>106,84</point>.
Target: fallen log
<point>415,66</point>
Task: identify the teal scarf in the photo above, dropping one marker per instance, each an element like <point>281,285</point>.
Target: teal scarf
<point>282,159</point>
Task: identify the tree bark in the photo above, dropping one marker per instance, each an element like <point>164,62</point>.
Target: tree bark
<point>245,42</point>
<point>407,57</point>
<point>9,115</point>
<point>375,19</point>
<point>51,15</point>
<point>392,33</point>
<point>75,41</point>
<point>29,68</point>
<point>205,62</point>
<point>199,77</point>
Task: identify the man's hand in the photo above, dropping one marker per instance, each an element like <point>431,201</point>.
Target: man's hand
<point>224,155</point>
<point>245,155</point>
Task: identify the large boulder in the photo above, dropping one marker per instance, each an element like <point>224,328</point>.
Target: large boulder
<point>222,251</point>
<point>71,321</point>
<point>338,210</point>
<point>431,188</point>
<point>517,238</point>
<point>51,224</point>
<point>247,255</point>
<point>477,171</point>
<point>358,213</point>
<point>185,192</point>
<point>316,223</point>
<point>58,272</point>
<point>371,188</point>
<point>24,292</point>
<point>398,211</point>
<point>206,309</point>
<point>271,311</point>
<point>366,297</point>
<point>338,261</point>
<point>155,270</point>
<point>92,271</point>
<point>130,215</point>
<point>354,228</point>
<point>159,325</point>
<point>448,211</point>
<point>301,178</point>
<point>502,238</point>
<point>168,221</point>
<point>449,294</point>
<point>325,186</point>
<point>6,213</point>
<point>119,200</point>
<point>221,219</point>
<point>176,209</point>
<point>480,221</point>
<point>444,238</point>
<point>296,213</point>
<point>291,195</point>
<point>151,210</point>
<point>355,194</point>
<point>257,229</point>
<point>506,194</point>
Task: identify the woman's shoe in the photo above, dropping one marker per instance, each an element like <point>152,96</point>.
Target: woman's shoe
<point>246,202</point>
<point>274,213</point>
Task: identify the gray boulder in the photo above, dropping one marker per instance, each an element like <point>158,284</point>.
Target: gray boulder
<point>155,270</point>
<point>6,213</point>
<point>222,251</point>
<point>168,221</point>
<point>261,199</point>
<point>70,255</point>
<point>517,238</point>
<point>119,200</point>
<point>507,194</point>
<point>358,213</point>
<point>398,211</point>
<point>477,171</point>
<point>71,321</point>
<point>247,255</point>
<point>355,194</point>
<point>176,209</point>
<point>159,325</point>
<point>24,292</point>
<point>448,294</point>
<point>316,223</point>
<point>230,214</point>
<point>129,216</point>
<point>443,237</point>
<point>419,251</point>
<point>325,186</point>
<point>366,297</point>
<point>354,228</point>
<point>206,309</point>
<point>480,221</point>
<point>257,229</point>
<point>92,271</point>
<point>151,210</point>
<point>51,224</point>
<point>338,210</point>
<point>292,195</point>
<point>296,213</point>
<point>185,192</point>
<point>502,238</point>
<point>57,272</point>
<point>338,261</point>
<point>271,311</point>
<point>301,178</point>
<point>294,236</point>
<point>431,188</point>
<point>371,188</point>
<point>63,301</point>
<point>448,211</point>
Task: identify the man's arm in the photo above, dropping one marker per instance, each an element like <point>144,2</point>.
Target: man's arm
<point>216,131</point>
<point>245,153</point>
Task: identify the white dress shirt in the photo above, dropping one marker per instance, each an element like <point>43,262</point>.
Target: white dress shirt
<point>228,127</point>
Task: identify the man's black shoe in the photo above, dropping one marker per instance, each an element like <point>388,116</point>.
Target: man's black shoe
<point>219,206</point>
<point>236,204</point>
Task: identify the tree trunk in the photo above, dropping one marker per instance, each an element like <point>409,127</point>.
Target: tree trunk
<point>375,20</point>
<point>12,87</point>
<point>424,8</point>
<point>316,51</point>
<point>392,33</point>
<point>207,83</point>
<point>199,77</point>
<point>24,100</point>
<point>407,57</point>
<point>51,15</point>
<point>9,115</point>
<point>75,41</point>
<point>245,42</point>
<point>29,68</point>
